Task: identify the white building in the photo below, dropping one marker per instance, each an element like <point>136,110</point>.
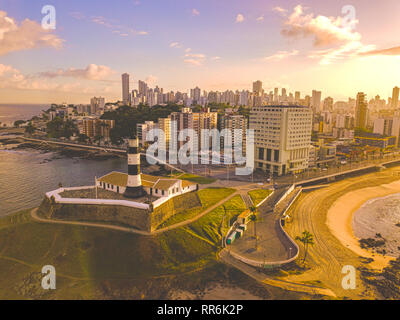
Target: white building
<point>125,89</point>
<point>282,138</point>
<point>152,185</point>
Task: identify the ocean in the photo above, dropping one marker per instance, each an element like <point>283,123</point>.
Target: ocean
<point>380,215</point>
<point>26,175</point>
<point>9,113</point>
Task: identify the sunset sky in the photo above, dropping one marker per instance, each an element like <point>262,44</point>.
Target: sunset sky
<point>213,44</point>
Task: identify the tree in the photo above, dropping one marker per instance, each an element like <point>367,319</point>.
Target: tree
<point>253,218</point>
<point>18,123</point>
<point>30,129</point>
<point>58,128</point>
<point>307,239</point>
<point>126,118</point>
<point>82,138</point>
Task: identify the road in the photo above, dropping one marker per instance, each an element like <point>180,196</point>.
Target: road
<point>261,277</point>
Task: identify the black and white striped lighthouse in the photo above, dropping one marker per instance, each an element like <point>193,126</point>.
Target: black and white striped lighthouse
<point>134,187</point>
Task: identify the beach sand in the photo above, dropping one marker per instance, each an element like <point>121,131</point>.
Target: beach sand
<point>340,215</point>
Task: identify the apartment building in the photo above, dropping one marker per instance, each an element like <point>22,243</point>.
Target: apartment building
<point>282,138</point>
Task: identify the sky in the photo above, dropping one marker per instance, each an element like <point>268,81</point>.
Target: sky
<point>337,47</point>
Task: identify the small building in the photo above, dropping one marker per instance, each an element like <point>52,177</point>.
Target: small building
<point>152,185</point>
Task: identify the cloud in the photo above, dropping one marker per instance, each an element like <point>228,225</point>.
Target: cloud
<point>279,10</point>
<point>239,18</point>
<point>346,51</point>
<point>195,12</point>
<point>395,51</point>
<point>151,80</point>
<point>260,18</point>
<point>27,35</point>
<point>188,49</point>
<point>175,45</point>
<point>11,78</point>
<point>121,30</point>
<point>91,72</point>
<point>193,62</point>
<point>196,59</point>
<point>280,55</point>
<point>325,30</point>
<point>216,58</point>
<point>195,55</point>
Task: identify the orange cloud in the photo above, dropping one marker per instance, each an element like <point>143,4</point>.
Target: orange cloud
<point>28,35</point>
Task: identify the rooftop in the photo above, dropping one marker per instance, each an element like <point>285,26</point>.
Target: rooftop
<point>121,179</point>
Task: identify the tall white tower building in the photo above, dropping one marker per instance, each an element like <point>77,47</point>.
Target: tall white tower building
<point>125,89</point>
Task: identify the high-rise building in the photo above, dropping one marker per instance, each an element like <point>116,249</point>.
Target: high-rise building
<point>257,88</point>
<point>361,111</point>
<point>125,89</point>
<point>276,95</point>
<point>93,128</point>
<point>238,126</point>
<point>316,101</point>
<point>297,97</point>
<point>142,87</point>
<point>97,105</point>
<point>328,104</point>
<point>142,130</point>
<point>195,95</point>
<point>383,126</point>
<point>395,98</point>
<point>164,124</point>
<point>282,138</point>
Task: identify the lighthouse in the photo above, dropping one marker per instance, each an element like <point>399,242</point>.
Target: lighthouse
<point>134,187</point>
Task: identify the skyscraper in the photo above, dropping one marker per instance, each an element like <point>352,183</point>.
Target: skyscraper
<point>297,97</point>
<point>361,112</point>
<point>257,88</point>
<point>97,105</point>
<point>125,89</point>
<point>395,98</point>
<point>316,101</point>
<point>328,104</point>
<point>142,88</point>
<point>195,94</point>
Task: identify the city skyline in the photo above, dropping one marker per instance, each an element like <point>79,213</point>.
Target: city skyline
<point>298,46</point>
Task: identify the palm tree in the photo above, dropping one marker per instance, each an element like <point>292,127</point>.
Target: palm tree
<point>253,218</point>
<point>308,240</point>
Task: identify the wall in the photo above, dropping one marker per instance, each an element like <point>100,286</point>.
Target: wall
<point>127,216</point>
<point>174,206</point>
<point>128,213</point>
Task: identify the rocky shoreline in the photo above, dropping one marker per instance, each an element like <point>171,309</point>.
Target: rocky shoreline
<point>15,143</point>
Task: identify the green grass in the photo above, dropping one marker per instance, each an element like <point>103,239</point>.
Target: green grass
<point>209,227</point>
<point>96,263</point>
<point>90,260</point>
<point>208,197</point>
<point>90,255</point>
<point>197,179</point>
<point>259,195</point>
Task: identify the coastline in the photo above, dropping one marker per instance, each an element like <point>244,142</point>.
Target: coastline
<point>340,215</point>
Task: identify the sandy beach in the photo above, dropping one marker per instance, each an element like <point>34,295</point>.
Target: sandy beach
<point>340,215</point>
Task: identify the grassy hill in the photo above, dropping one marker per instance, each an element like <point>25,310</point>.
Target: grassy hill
<point>95,263</point>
